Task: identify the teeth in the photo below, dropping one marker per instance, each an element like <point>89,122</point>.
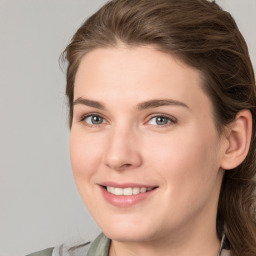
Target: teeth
<point>143,190</point>
<point>127,191</point>
<point>135,191</point>
<point>118,191</point>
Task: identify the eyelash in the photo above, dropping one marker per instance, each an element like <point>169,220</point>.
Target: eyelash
<point>171,120</point>
<point>82,119</point>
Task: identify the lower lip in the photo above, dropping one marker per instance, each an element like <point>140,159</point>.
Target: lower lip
<point>125,201</point>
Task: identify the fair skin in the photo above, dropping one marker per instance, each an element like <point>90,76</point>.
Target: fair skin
<point>142,121</point>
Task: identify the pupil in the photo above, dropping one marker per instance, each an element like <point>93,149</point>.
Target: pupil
<point>96,120</point>
<point>161,120</point>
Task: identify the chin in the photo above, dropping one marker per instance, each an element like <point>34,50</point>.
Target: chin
<point>126,236</point>
<point>128,232</point>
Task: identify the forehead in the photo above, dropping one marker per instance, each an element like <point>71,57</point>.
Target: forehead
<point>131,64</point>
<point>141,73</point>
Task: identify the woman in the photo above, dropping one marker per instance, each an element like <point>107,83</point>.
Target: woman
<point>162,116</point>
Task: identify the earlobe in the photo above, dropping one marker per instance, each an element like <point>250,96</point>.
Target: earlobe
<point>238,137</point>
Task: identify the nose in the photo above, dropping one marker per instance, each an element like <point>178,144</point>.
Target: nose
<point>122,151</point>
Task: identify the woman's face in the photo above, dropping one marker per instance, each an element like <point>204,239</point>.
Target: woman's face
<point>145,151</point>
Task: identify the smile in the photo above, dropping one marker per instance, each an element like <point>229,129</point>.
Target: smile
<point>127,191</point>
<point>126,194</point>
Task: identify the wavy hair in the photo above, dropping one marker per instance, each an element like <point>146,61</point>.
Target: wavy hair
<point>206,37</point>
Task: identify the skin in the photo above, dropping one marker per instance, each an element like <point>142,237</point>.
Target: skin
<point>183,158</point>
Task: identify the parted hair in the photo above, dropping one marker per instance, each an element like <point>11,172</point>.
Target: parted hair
<point>207,38</point>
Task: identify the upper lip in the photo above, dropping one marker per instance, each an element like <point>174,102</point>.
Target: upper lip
<point>126,185</point>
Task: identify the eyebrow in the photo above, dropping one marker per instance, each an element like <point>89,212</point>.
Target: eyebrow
<point>158,103</point>
<point>141,106</point>
<point>90,103</point>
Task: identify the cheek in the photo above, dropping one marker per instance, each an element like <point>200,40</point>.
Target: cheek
<point>84,155</point>
<point>187,161</point>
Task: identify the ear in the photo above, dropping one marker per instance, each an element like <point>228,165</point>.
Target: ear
<point>238,136</point>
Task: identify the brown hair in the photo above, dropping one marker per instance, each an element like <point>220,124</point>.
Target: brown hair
<point>204,36</point>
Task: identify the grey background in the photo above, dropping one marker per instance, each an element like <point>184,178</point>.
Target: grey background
<point>39,204</point>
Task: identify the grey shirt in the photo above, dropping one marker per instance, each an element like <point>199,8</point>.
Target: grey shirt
<point>99,247</point>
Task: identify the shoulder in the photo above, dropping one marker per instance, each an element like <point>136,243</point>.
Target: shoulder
<point>75,250</point>
<point>45,252</point>
<point>63,250</point>
<point>98,247</point>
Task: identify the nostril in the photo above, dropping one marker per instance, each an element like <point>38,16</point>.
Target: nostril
<point>124,166</point>
<point>127,165</point>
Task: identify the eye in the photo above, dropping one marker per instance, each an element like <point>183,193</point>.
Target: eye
<point>161,120</point>
<point>93,119</point>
